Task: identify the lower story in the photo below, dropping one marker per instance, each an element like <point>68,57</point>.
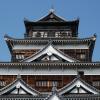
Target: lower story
<point>44,83</point>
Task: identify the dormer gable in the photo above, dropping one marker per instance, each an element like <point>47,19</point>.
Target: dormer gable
<point>18,87</point>
<point>51,17</point>
<point>78,86</point>
<point>49,53</point>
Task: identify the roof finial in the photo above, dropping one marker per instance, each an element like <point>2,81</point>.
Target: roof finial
<point>94,37</point>
<point>54,88</point>
<point>52,9</point>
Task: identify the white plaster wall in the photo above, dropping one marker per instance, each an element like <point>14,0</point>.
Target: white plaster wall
<point>31,70</point>
<point>27,47</point>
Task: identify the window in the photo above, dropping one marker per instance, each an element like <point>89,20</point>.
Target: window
<point>82,56</point>
<point>57,34</point>
<point>2,83</point>
<point>96,83</point>
<point>63,34</point>
<point>66,33</point>
<point>46,83</point>
<point>19,56</point>
<point>43,34</point>
<point>34,34</point>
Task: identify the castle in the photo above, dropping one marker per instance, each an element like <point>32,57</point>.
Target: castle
<point>50,63</point>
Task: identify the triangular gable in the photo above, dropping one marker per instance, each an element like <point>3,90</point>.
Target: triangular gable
<point>78,86</point>
<point>51,17</point>
<point>20,91</point>
<point>52,58</point>
<point>50,50</point>
<point>18,87</point>
<point>53,95</point>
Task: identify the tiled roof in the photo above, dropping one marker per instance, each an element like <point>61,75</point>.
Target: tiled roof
<point>87,86</point>
<point>49,48</point>
<point>19,82</point>
<point>52,63</point>
<point>32,40</point>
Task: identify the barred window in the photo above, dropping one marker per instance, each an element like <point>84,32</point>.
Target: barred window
<point>2,83</point>
<point>96,83</point>
<point>19,56</point>
<point>46,83</point>
<point>82,56</point>
<point>57,34</point>
<point>34,34</point>
<point>43,34</point>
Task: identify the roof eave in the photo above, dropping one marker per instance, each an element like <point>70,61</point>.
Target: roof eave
<point>92,45</point>
<point>8,42</point>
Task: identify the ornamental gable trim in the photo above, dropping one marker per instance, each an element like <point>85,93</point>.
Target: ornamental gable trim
<point>52,54</point>
<point>52,17</point>
<point>78,86</point>
<point>18,87</point>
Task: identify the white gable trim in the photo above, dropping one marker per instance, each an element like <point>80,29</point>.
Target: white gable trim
<point>49,50</point>
<point>54,97</point>
<point>78,83</point>
<point>18,84</point>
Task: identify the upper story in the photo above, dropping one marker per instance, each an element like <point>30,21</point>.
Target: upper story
<point>51,38</point>
<point>51,26</point>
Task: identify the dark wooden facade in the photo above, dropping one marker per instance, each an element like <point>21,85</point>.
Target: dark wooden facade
<point>61,33</point>
<point>44,83</point>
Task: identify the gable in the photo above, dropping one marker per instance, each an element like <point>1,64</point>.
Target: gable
<point>18,91</point>
<point>52,58</point>
<point>78,90</point>
<point>54,97</point>
<point>51,17</point>
<point>78,86</point>
<point>18,87</point>
<point>54,94</point>
<point>51,53</point>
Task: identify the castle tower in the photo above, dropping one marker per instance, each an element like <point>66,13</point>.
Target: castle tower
<point>50,54</point>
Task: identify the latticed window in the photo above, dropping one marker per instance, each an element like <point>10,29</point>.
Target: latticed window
<point>96,83</point>
<point>57,34</point>
<point>68,33</point>
<point>82,56</point>
<point>2,83</point>
<point>46,83</point>
<point>34,34</point>
<point>43,34</point>
<point>19,56</point>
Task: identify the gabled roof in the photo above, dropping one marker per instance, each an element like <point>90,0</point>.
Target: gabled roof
<point>49,50</point>
<point>78,86</point>
<point>59,40</point>
<point>52,17</point>
<point>52,20</point>
<point>89,41</point>
<point>18,87</point>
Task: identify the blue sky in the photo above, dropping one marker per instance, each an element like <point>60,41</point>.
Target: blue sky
<point>13,12</point>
